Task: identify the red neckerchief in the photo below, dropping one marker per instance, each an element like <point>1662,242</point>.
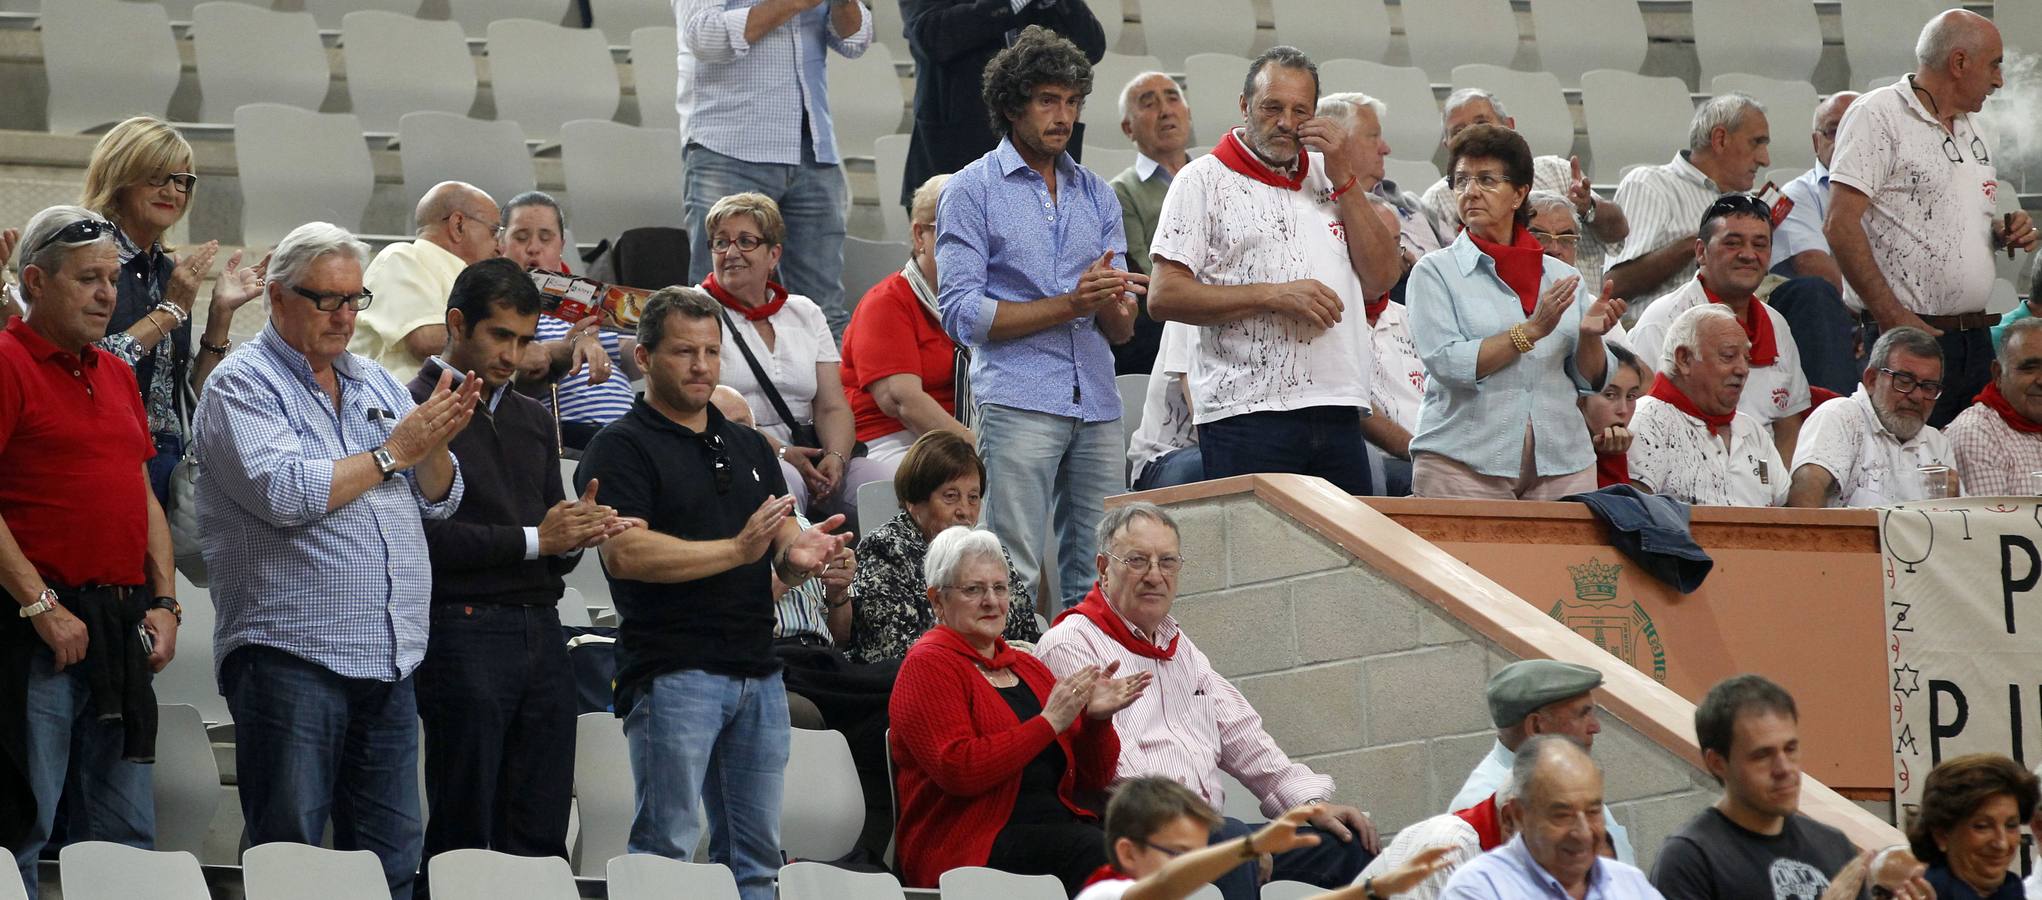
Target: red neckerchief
<point>1758,326</point>
<point>1521,264</point>
<point>1487,823</point>
<point>1375,309</point>
<point>1239,158</point>
<point>1997,402</point>
<point>1665,391</point>
<point>776,298</point>
<point>1612,468</point>
<point>1104,873</point>
<point>1003,655</point>
<point>1094,607</point>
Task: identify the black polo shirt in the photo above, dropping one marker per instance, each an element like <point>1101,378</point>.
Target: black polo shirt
<point>652,468</point>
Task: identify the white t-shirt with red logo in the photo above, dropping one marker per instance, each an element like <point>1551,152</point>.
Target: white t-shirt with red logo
<point>1229,229</point>
<point>1771,393</point>
<point>1399,386</point>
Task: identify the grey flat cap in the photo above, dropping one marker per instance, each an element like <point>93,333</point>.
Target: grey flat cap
<point>1519,689</point>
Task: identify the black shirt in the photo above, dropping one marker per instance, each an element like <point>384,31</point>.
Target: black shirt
<point>1037,803</point>
<point>654,469</point>
<point>1713,857</point>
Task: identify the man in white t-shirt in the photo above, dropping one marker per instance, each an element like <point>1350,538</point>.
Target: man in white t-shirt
<point>1912,197</point>
<point>1164,450</point>
<point>1397,389</point>
<point>1689,438</point>
<point>1726,148</point>
<point>1878,448</point>
<point>1270,249</point>
<point>1606,225</point>
<point>1735,242</point>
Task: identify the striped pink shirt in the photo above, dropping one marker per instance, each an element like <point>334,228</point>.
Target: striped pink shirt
<point>1191,724</point>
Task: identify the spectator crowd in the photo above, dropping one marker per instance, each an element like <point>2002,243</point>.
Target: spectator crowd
<point>372,483</point>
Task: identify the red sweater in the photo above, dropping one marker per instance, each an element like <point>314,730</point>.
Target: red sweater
<point>958,753</point>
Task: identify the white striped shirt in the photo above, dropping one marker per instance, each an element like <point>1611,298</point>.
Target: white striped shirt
<point>1191,724</point>
<point>581,401</point>
<point>1663,204</point>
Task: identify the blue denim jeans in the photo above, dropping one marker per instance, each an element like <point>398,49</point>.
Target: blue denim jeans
<point>309,744</point>
<point>1183,465</point>
<point>1324,440</point>
<point>813,198</point>
<point>1824,330</point>
<point>1044,468</point>
<point>721,741</point>
<point>116,800</point>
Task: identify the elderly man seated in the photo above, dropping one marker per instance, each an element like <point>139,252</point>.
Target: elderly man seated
<point>1559,817</point>
<point>1879,448</point>
<point>1726,149</point>
<point>1689,438</point>
<point>1735,238</point>
<point>1192,724</point>
<point>1463,834</point>
<point>1154,117</point>
<point>1605,219</point>
<point>1813,299</point>
<point>1529,698</point>
<point>457,227</point>
<point>1998,441</point>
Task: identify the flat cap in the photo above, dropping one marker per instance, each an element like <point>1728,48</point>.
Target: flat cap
<point>1519,689</point>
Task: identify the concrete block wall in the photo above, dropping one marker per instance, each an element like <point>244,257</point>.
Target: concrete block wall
<point>1361,679</point>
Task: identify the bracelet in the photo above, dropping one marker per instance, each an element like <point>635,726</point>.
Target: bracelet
<point>220,349</point>
<point>1519,339</point>
<point>177,313</point>
<point>1248,846</point>
<point>840,457</point>
<point>1351,182</point>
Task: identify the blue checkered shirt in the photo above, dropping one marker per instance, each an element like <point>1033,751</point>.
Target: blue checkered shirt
<point>349,589</point>
<point>739,91</point>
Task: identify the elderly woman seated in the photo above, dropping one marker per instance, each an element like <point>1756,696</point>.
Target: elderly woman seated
<point>1969,827</point>
<point>939,484</point>
<point>996,762</point>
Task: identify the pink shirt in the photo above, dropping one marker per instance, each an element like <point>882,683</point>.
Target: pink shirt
<point>1191,724</point>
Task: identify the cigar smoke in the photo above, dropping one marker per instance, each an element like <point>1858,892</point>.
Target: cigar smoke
<point>2010,116</point>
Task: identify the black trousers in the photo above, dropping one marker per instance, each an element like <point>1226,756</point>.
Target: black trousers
<point>1071,851</point>
<point>497,697</point>
<point>852,698</point>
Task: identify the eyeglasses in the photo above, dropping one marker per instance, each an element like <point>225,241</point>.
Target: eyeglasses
<point>1547,238</point>
<point>1166,851</point>
<point>1140,565</point>
<point>1906,383</point>
<point>185,181</point>
<point>332,302</point>
<point>1977,150</point>
<point>978,592</point>
<point>83,231</point>
<point>1485,182</point>
<point>495,228</point>
<point>745,243</point>
<point>719,463</point>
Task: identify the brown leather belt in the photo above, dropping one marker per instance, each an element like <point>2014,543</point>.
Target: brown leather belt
<point>1963,322</point>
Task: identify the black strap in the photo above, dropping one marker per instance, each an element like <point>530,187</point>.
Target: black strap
<point>759,372</point>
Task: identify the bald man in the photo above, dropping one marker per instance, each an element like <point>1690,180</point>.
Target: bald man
<point>1825,329</point>
<point>405,325</point>
<point>1912,217</point>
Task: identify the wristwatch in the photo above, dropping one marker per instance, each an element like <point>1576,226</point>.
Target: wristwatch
<point>385,462</point>
<point>44,602</point>
<point>170,603</point>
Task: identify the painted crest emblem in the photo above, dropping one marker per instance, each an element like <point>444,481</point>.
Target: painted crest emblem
<point>1621,628</point>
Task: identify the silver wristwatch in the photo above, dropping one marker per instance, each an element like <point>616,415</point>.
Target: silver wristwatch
<point>44,602</point>
<point>385,462</point>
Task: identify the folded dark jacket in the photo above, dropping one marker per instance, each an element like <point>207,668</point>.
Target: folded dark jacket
<point>117,665</point>
<point>1652,531</point>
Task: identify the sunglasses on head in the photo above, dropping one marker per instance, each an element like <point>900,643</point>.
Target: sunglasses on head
<point>83,231</point>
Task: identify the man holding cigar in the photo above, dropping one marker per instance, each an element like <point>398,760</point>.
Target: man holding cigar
<point>1270,249</point>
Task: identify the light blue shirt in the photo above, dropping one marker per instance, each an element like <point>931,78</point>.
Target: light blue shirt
<point>1454,300</point>
<point>348,589</point>
<point>1493,773</point>
<point>742,92</point>
<point>993,248</point>
<point>1509,873</point>
<point>1802,229</point>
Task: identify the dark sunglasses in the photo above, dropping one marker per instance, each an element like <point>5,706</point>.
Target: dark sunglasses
<point>719,463</point>
<point>1738,205</point>
<point>83,231</point>
<point>332,302</point>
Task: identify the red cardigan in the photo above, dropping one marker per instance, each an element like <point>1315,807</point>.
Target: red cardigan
<point>958,753</point>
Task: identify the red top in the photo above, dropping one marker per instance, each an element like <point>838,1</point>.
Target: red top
<point>958,753</point>
<point>891,334</point>
<point>73,438</point>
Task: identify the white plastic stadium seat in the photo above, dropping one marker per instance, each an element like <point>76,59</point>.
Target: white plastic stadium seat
<point>889,29</point>
<point>617,19</point>
<point>1290,890</point>
<point>397,64</point>
<point>1879,36</point>
<point>602,789</point>
<point>1334,29</point>
<point>1576,37</point>
<point>890,166</point>
<point>1106,162</point>
<point>1109,75</point>
<point>981,883</point>
<point>251,55</point>
<point>187,779</point>
<point>90,87</point>
<point>11,887</point>
<point>822,808</point>
<point>488,875</point>
<point>101,870</point>
<point>192,682</point>
<point>818,881</point>
<point>1534,101</point>
<point>332,14</point>
<point>298,166</point>
<point>620,177</point>
<point>656,74</point>
<point>642,876</point>
<point>1134,391</point>
<point>545,75</point>
<point>876,503</point>
<point>1412,124</point>
<point>867,263</point>
<point>1212,93</point>
<point>1775,38</point>
<point>283,871</point>
<point>1789,112</point>
<point>866,102</point>
<point>476,15</point>
<point>1445,34</point>
<point>1414,175</point>
<point>439,146</point>
<point>1633,119</point>
<point>1199,26</point>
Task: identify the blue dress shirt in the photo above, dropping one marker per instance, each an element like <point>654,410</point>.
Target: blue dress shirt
<point>742,91</point>
<point>348,589</point>
<point>992,248</point>
<point>1510,873</point>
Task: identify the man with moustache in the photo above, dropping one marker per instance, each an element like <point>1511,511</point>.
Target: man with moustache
<point>1870,451</point>
<point>1038,299</point>
<point>496,692</point>
<point>1689,438</point>
<point>1998,440</point>
<point>1753,844</point>
<point>1270,247</point>
<point>1726,150</point>
<point>1558,814</point>
<point>1152,115</point>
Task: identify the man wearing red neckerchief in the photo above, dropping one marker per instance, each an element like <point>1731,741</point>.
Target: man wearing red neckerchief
<point>1689,438</point>
<point>1998,440</point>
